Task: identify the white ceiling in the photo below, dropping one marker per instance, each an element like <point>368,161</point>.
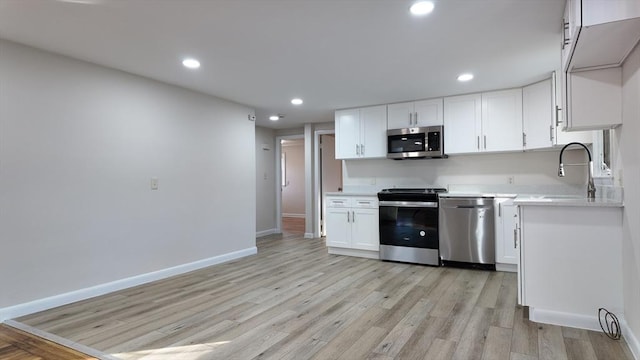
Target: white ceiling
<point>332,53</point>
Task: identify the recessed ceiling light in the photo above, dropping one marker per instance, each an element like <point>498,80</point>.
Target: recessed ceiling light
<point>465,77</point>
<point>274,117</point>
<point>191,63</point>
<point>296,101</point>
<point>421,8</point>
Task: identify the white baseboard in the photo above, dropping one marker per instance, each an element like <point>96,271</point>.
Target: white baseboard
<point>631,339</point>
<point>300,216</point>
<point>308,235</point>
<point>564,319</point>
<point>82,294</point>
<point>506,267</point>
<point>354,252</point>
<point>266,232</point>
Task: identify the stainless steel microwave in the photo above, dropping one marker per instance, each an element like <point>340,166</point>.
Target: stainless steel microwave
<point>415,143</point>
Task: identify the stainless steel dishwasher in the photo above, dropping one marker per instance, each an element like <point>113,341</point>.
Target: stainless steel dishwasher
<point>467,232</point>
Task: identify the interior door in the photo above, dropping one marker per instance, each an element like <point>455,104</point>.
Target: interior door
<point>330,174</point>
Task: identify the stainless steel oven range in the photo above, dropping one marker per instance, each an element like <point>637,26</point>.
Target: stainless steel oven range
<point>409,225</point>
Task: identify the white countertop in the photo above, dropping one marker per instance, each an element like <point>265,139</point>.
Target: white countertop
<point>566,200</point>
<point>342,193</point>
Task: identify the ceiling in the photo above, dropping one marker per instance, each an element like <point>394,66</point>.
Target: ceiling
<point>331,53</point>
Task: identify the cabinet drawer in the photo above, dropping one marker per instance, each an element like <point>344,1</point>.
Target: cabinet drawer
<point>338,202</point>
<point>367,203</point>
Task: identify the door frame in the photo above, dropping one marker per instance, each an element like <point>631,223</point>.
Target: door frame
<point>279,177</point>
<point>317,190</point>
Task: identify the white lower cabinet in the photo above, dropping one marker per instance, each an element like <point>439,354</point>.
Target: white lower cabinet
<point>507,247</point>
<point>352,225</point>
<point>570,263</point>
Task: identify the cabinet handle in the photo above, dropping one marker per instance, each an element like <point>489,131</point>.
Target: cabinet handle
<point>499,209</point>
<point>415,119</point>
<point>524,139</point>
<point>478,142</point>
<point>485,142</point>
<point>362,149</point>
<point>353,216</point>
<point>565,40</point>
<point>348,218</point>
<point>410,119</point>
<point>551,133</point>
<point>558,121</point>
<point>515,238</point>
<point>357,149</point>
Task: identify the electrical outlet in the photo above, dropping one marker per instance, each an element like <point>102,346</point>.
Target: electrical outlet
<point>511,180</point>
<point>154,183</point>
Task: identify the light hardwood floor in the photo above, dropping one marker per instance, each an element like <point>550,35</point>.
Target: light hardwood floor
<point>16,344</point>
<point>293,226</point>
<point>294,301</point>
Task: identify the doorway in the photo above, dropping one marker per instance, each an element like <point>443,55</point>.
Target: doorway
<point>292,185</point>
<point>329,174</point>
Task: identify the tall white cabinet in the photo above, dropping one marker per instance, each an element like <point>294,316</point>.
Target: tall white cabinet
<point>490,121</point>
<point>361,133</point>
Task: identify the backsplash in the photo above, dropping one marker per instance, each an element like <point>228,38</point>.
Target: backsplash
<point>508,172</point>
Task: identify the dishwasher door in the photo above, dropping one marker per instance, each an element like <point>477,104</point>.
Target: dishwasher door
<point>467,230</point>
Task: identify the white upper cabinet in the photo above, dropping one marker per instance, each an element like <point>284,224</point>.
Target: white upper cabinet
<point>538,108</point>
<point>347,134</point>
<point>593,99</point>
<point>490,121</point>
<point>462,124</point>
<point>361,133</point>
<point>415,114</point>
<point>541,118</point>
<point>502,120</point>
<point>373,136</point>
<point>599,33</point>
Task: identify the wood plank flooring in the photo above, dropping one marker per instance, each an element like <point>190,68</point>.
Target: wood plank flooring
<point>294,301</point>
<point>16,344</point>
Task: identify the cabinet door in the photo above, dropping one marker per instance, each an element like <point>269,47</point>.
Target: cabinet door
<point>400,115</point>
<point>428,112</point>
<point>373,127</point>
<point>347,134</point>
<point>538,115</point>
<point>364,232</point>
<point>462,124</point>
<point>561,136</point>
<point>502,120</point>
<point>594,99</point>
<point>508,251</point>
<point>339,227</point>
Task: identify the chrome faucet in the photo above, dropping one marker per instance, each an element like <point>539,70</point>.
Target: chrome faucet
<point>591,189</point>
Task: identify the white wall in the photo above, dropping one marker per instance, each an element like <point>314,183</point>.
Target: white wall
<point>293,194</point>
<point>530,168</point>
<point>78,146</point>
<point>629,147</point>
<point>265,181</point>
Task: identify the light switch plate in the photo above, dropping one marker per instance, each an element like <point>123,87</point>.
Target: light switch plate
<point>154,183</point>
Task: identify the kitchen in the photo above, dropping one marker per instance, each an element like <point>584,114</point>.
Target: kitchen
<point>497,173</point>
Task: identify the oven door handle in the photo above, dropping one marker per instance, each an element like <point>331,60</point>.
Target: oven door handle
<point>410,204</point>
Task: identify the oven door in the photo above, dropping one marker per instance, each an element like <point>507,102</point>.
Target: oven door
<point>409,231</point>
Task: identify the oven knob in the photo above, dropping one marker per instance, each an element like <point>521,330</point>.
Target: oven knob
<point>422,233</point>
